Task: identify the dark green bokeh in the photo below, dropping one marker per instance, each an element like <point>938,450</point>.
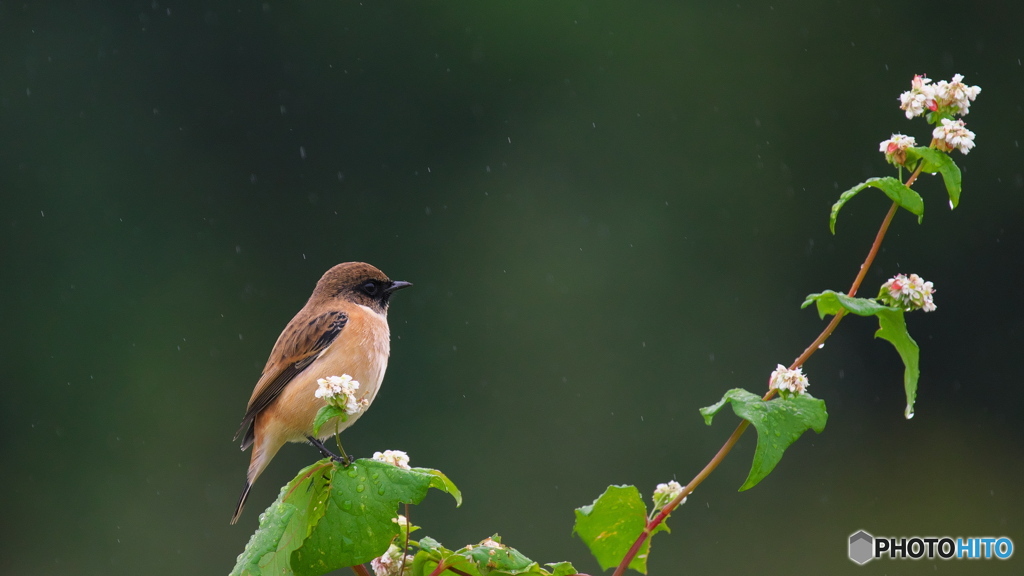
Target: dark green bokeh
<point>611,214</point>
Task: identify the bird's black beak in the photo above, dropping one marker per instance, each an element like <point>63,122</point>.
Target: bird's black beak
<point>397,285</point>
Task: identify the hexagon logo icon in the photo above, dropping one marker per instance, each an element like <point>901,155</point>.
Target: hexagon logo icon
<point>862,546</point>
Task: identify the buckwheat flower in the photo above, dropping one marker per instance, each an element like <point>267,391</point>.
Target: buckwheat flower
<point>956,95</point>
<point>895,148</point>
<point>919,98</point>
<point>402,521</point>
<point>788,381</point>
<point>354,406</point>
<point>347,384</point>
<point>665,493</point>
<point>340,391</point>
<point>908,292</point>
<point>332,386</point>
<point>952,134</point>
<point>391,563</point>
<point>393,457</point>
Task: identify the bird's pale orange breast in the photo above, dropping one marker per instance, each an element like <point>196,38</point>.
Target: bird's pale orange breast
<point>361,351</point>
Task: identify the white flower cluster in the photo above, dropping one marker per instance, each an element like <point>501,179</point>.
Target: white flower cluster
<point>665,493</point>
<point>921,96</point>
<point>953,95</point>
<point>391,563</point>
<point>393,457</point>
<point>946,99</point>
<point>340,391</point>
<point>952,134</point>
<point>788,381</point>
<point>956,94</point>
<point>908,292</point>
<point>895,148</point>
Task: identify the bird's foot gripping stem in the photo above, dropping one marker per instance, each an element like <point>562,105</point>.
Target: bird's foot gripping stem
<point>344,459</point>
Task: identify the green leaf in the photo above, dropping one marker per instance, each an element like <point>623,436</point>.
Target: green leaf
<point>562,569</point>
<point>496,558</point>
<point>331,517</point>
<point>891,327</point>
<point>283,527</point>
<point>611,525</point>
<point>442,483</point>
<point>432,546</point>
<point>829,303</point>
<point>892,187</point>
<point>779,422</point>
<point>939,161</point>
<point>326,413</point>
<point>488,558</point>
<point>430,554</point>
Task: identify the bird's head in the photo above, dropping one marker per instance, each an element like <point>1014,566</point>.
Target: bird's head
<point>360,283</point>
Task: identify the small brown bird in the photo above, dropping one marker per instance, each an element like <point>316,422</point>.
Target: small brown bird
<point>342,329</point>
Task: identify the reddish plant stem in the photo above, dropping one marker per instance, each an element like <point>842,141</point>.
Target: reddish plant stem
<point>405,545</point>
<point>742,427</point>
<point>831,327</point>
<point>873,252</point>
<point>660,517</point>
<point>360,570</point>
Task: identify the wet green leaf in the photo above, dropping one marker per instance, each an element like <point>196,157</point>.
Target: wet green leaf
<point>330,517</point>
<point>326,413</point>
<point>488,558</point>
<point>611,525</point>
<point>779,422</point>
<point>892,327</point>
<point>892,187</point>
<point>939,161</point>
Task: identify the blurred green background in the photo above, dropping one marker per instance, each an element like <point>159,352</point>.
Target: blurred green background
<point>611,213</point>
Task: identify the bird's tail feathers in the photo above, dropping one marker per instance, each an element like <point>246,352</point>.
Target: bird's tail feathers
<point>241,501</point>
<point>262,453</point>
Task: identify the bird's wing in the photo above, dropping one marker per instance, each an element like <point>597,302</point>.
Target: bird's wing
<point>300,344</point>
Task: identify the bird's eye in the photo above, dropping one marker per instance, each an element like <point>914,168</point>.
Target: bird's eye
<point>370,288</point>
